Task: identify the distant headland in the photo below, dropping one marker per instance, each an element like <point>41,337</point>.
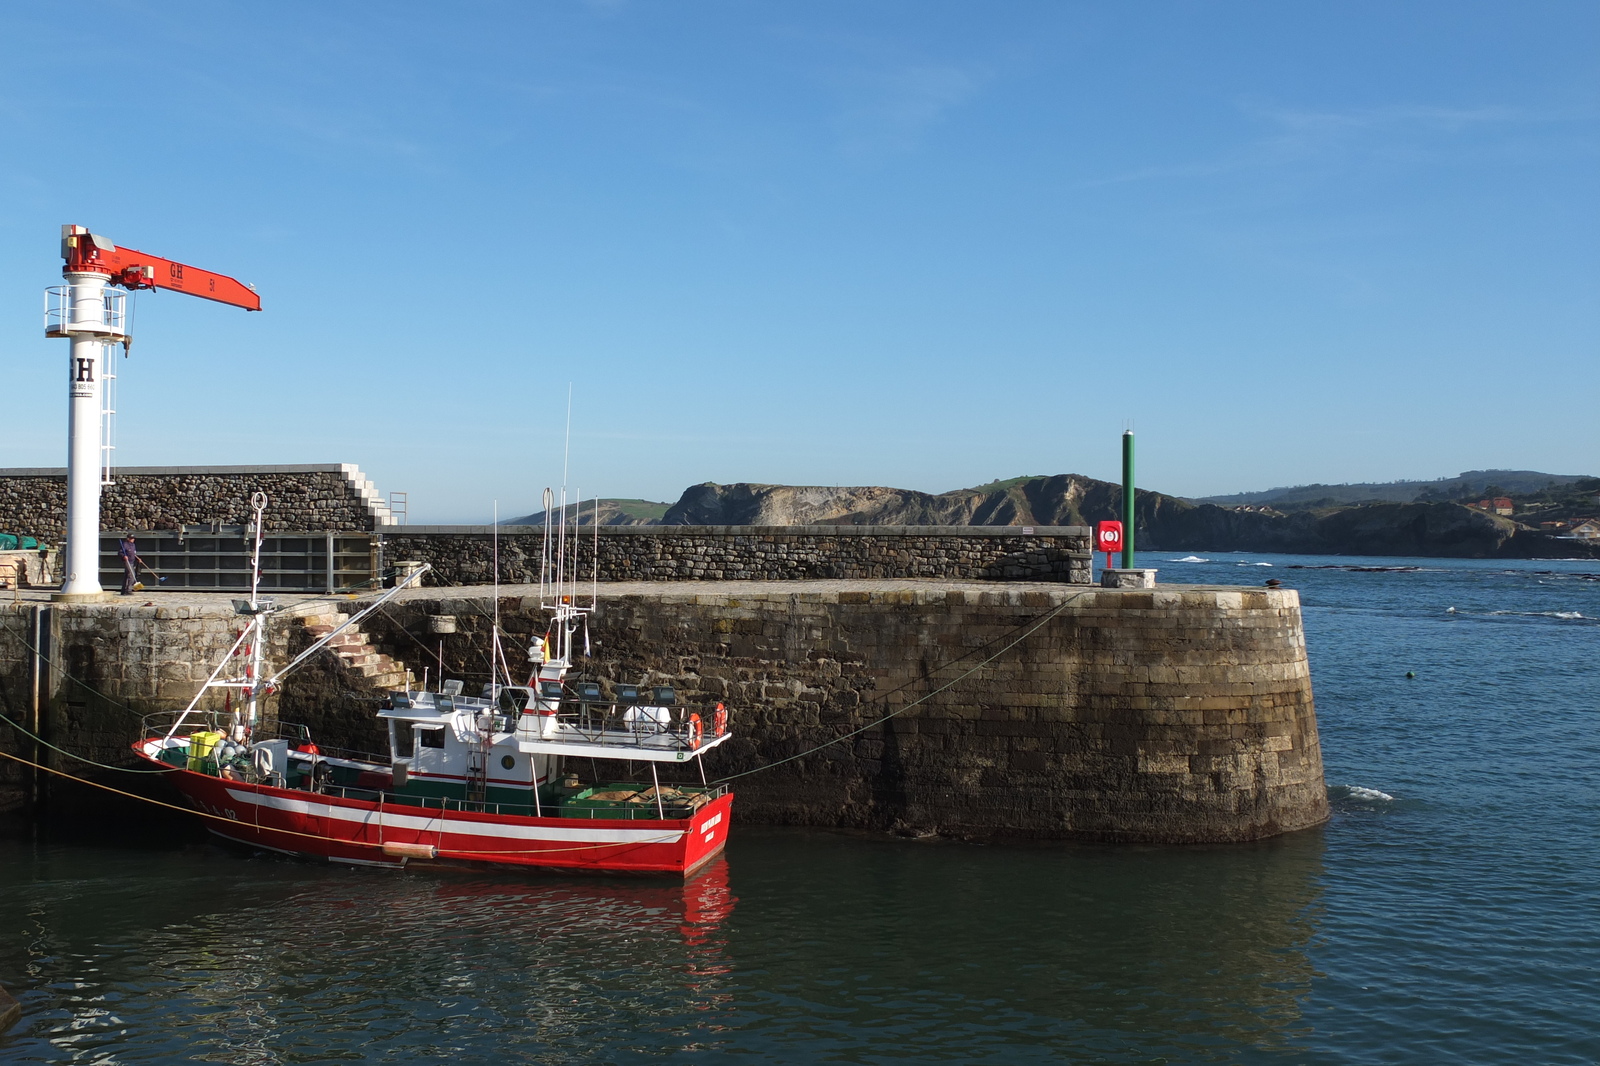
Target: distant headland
<point>1477,514</point>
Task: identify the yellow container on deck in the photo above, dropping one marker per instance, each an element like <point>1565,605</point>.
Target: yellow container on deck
<point>200,748</point>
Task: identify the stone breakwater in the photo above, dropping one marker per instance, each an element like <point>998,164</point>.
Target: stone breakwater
<point>1177,715</point>
<point>1172,715</point>
<point>82,675</point>
<point>465,555</point>
<point>327,497</point>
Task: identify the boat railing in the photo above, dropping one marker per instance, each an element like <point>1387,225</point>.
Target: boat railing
<point>160,723</point>
<point>647,811</point>
<point>612,724</point>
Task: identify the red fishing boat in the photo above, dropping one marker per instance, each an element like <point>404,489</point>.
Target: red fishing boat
<point>492,779</point>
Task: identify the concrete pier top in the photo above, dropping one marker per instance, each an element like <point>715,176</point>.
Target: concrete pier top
<point>840,590</point>
<point>909,590</point>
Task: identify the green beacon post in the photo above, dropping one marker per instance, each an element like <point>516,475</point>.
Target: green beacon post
<point>1127,500</point>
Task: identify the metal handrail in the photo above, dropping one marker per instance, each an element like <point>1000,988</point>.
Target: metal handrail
<point>157,723</point>
<point>527,810</point>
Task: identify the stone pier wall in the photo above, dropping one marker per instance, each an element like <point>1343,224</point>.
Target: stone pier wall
<point>99,668</point>
<point>1177,714</point>
<point>1169,715</point>
<point>464,555</point>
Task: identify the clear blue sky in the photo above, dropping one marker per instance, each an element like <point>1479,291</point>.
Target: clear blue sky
<point>919,244</point>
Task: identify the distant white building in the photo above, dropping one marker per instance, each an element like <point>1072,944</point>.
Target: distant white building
<point>1589,530</point>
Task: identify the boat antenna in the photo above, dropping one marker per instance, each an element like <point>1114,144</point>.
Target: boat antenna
<point>566,447</point>
<point>544,557</point>
<point>494,651</point>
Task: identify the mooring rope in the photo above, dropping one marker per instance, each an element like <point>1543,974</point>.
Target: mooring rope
<point>1030,629</point>
<point>85,685</point>
<point>317,836</point>
<point>84,759</point>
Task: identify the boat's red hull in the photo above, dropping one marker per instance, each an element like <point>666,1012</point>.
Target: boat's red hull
<point>378,834</point>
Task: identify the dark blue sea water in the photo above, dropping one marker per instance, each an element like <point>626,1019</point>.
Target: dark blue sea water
<point>1450,912</point>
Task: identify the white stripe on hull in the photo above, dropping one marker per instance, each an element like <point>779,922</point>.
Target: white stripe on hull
<point>459,827</point>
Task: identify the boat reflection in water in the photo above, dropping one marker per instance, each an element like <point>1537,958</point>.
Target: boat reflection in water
<point>856,949</point>
<point>275,962</point>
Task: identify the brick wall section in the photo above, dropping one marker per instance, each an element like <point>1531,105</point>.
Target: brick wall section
<point>334,497</point>
<point>1173,715</point>
<point>463,555</point>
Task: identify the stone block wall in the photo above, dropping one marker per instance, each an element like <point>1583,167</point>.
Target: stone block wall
<point>101,667</point>
<point>463,555</point>
<point>334,497</point>
<point>1168,715</point>
<point>1174,715</point>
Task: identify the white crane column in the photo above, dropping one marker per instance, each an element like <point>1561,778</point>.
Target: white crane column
<point>88,330</point>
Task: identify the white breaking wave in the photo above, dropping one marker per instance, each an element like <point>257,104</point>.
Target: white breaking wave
<point>1371,795</point>
<point>1189,559</point>
<point>1542,614</point>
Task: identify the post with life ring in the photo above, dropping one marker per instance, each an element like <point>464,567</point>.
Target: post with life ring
<point>695,731</point>
<point>1108,539</point>
<point>719,721</point>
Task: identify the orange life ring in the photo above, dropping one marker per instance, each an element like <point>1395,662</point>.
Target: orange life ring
<point>719,721</point>
<point>695,731</point>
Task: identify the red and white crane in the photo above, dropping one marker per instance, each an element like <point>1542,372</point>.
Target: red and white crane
<point>90,311</point>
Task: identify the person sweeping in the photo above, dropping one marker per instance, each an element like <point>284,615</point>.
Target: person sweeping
<point>129,554</point>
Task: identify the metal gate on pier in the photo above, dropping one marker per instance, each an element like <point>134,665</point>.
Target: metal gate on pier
<point>220,560</point>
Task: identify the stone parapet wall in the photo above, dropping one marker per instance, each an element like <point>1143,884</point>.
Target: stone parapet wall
<point>333,497</point>
<point>463,555</point>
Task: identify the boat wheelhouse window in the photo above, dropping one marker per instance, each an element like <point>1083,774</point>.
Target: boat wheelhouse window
<point>550,690</point>
<point>445,704</point>
<point>402,742</point>
<point>401,703</point>
<point>451,687</point>
<point>664,696</point>
<point>588,692</point>
<point>430,738</point>
<point>627,695</point>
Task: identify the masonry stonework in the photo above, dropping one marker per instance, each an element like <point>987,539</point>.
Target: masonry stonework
<point>334,497</point>
<point>465,556</point>
<point>1180,714</point>
<point>1170,715</point>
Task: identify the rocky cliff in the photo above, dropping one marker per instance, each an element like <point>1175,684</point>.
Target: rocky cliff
<point>1165,523</point>
<point>1061,500</point>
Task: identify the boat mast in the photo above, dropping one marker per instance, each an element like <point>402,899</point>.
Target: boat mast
<point>258,654</point>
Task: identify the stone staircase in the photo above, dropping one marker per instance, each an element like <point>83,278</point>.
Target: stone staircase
<point>356,650</point>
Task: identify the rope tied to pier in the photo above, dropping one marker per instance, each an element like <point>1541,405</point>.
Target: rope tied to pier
<point>83,759</point>
<point>1028,629</point>
<point>318,836</point>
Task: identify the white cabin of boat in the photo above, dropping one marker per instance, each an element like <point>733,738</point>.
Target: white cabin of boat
<point>508,748</point>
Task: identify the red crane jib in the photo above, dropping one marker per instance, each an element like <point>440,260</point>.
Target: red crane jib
<point>136,270</point>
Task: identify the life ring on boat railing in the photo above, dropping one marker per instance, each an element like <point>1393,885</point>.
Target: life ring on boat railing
<point>719,721</point>
<point>695,731</point>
